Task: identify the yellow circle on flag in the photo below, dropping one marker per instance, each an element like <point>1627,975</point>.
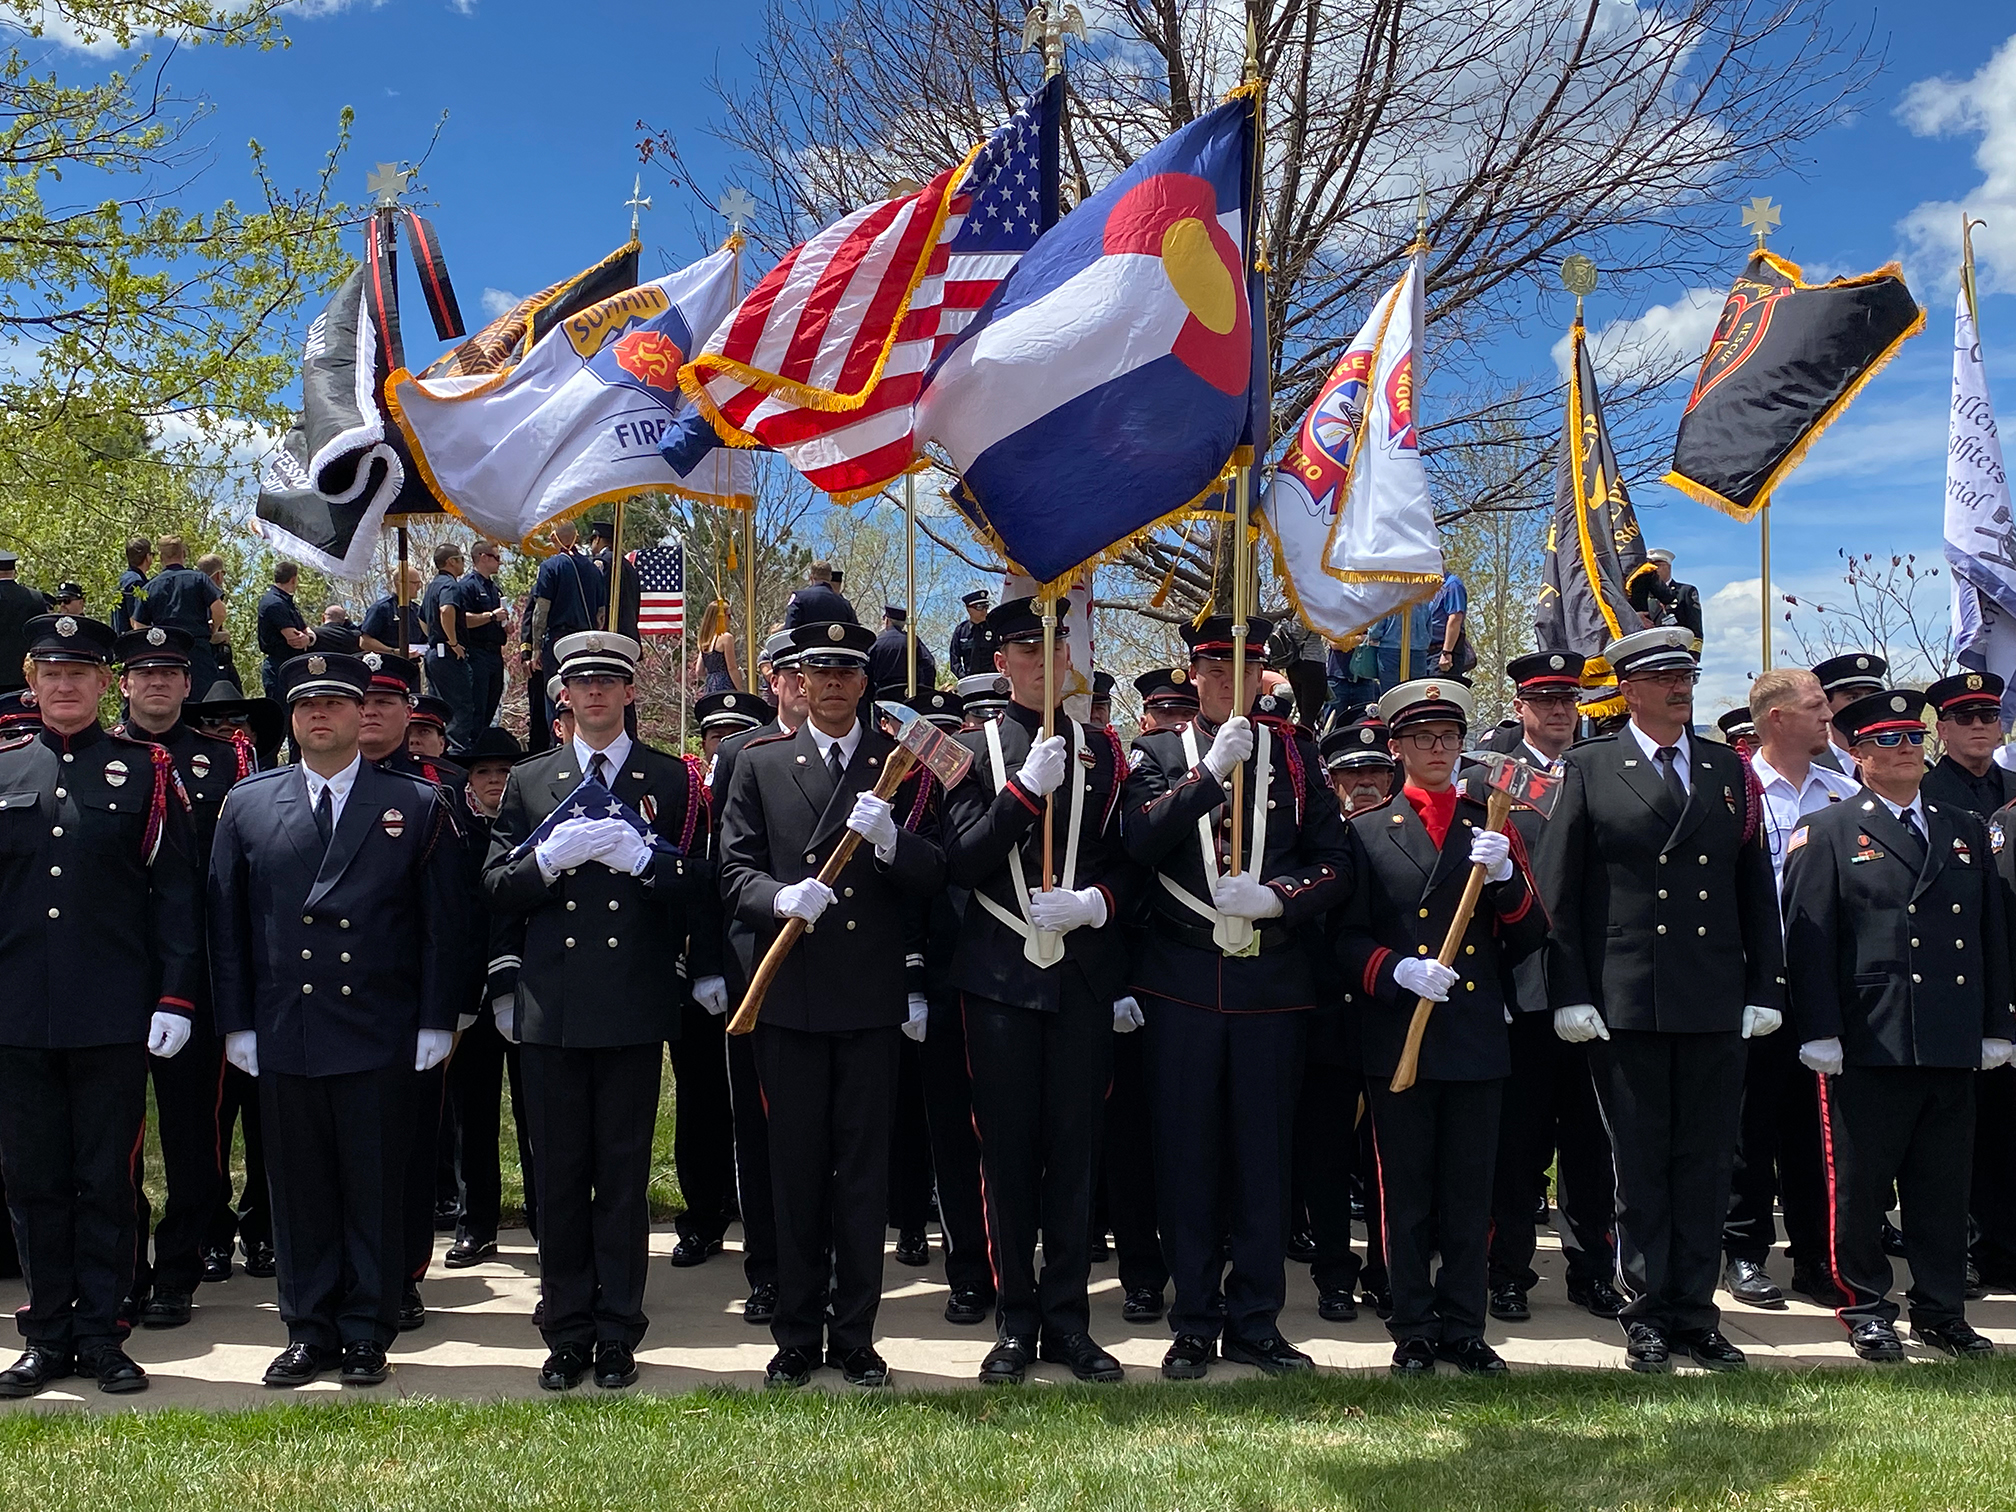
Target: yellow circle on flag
<point>1199,276</point>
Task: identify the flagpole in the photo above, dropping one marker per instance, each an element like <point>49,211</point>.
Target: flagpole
<point>1242,494</point>
<point>910,582</point>
<point>1761,217</point>
<point>1049,719</point>
<point>616,571</point>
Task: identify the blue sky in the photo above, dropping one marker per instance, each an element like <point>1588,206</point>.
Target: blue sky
<point>536,161</point>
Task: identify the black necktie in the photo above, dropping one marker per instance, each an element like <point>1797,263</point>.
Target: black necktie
<point>325,816</point>
<point>598,768</point>
<point>834,766</point>
<point>1669,758</point>
<point>1910,822</point>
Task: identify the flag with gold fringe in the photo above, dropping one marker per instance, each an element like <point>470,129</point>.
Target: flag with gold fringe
<point>1595,550</point>
<point>1786,359</point>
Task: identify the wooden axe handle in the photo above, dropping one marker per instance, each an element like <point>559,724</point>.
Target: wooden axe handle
<point>893,772</point>
<point>1498,809</point>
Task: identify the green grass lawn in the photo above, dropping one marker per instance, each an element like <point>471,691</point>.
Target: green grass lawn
<point>1927,1436</point>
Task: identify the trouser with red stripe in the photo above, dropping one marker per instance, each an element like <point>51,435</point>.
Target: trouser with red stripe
<point>1913,1125</point>
<point>187,1087</point>
<point>1039,1102</point>
<point>69,1123</point>
<point>1437,1146</point>
<point>1671,1102</point>
<point>1224,1088</point>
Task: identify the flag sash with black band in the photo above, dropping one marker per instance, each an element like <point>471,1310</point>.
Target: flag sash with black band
<point>1595,549</point>
<point>1786,359</point>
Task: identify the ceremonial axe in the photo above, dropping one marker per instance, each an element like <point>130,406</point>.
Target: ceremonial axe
<point>1512,781</point>
<point>918,743</point>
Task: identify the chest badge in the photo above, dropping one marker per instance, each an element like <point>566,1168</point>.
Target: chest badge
<point>393,823</point>
<point>200,764</point>
<point>1995,838</point>
<point>1961,852</point>
<point>648,807</point>
<point>1729,798</point>
<point>116,773</point>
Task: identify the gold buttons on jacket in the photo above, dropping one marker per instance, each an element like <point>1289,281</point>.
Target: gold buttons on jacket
<point>1469,986</point>
<point>1424,913</point>
<point>307,918</point>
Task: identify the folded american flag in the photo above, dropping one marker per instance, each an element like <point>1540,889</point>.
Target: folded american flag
<point>592,800</point>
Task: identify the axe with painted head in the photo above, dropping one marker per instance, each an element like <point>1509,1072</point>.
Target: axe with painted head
<point>1512,781</point>
<point>918,743</point>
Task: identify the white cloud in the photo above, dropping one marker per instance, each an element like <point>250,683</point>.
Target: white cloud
<point>497,302</point>
<point>1667,336</point>
<point>1983,106</point>
<point>463,7</point>
<point>1731,647</point>
<point>1874,448</point>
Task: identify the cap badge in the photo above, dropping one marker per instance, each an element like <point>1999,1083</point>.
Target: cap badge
<point>393,823</point>
<point>1366,737</point>
<point>115,773</point>
<point>594,641</point>
<point>1179,676</point>
<point>1897,703</point>
<point>371,659</point>
<point>66,627</point>
<point>1973,682</point>
<point>1433,690</point>
<point>156,636</point>
<point>727,700</point>
<point>1861,664</point>
<point>1555,663</point>
<point>317,666</point>
<point>835,631</point>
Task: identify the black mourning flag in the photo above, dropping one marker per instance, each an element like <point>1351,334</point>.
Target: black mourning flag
<point>1786,359</point>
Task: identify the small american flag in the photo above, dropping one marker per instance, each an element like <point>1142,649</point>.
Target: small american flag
<point>592,800</point>
<point>661,589</point>
<point>1013,186</point>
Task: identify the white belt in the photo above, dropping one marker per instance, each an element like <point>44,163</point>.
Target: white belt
<point>1042,948</point>
<point>1232,935</point>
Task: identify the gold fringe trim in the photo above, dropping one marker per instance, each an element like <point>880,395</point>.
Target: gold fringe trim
<point>1577,336</point>
<point>874,490</point>
<point>1701,493</point>
<point>1429,587</point>
<point>1250,89</point>
<point>1161,594</point>
<point>693,377</point>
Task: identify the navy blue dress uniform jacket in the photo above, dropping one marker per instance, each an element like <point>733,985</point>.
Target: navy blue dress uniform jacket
<point>1952,786</point>
<point>1403,907</point>
<point>604,954</point>
<point>337,959</point>
<point>854,968</point>
<point>101,891</point>
<point>982,827</point>
<point>1664,922</point>
<point>1311,861</point>
<point>1906,963</point>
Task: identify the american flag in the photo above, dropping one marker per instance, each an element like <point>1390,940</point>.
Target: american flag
<point>661,589</point>
<point>824,358</point>
<point>593,800</point>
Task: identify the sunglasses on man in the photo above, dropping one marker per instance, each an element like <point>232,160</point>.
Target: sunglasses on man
<point>1974,717</point>
<point>1891,739</point>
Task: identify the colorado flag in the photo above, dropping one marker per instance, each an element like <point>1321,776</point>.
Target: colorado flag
<point>1105,384</point>
<point>581,420</point>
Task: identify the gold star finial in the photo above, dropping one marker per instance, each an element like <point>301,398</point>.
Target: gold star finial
<point>1762,218</point>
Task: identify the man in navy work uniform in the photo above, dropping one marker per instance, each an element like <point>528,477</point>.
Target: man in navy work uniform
<point>1226,975</point>
<point>100,912</point>
<point>337,943</point>
<point>178,597</point>
<point>568,597</point>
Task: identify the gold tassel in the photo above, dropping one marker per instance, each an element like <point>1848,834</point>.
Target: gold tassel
<point>733,564</point>
<point>1161,595</point>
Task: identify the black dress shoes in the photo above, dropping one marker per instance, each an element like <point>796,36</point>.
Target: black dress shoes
<point>1472,1357</point>
<point>913,1247</point>
<point>761,1305</point>
<point>1379,1299</point>
<point>1413,1358</point>
<point>1273,1354</point>
<point>165,1309</point>
<point>1893,1240</point>
<point>217,1264</point>
<point>1708,1349</point>
<point>259,1261</point>
<point>1087,1360</point>
<point>468,1250</point>
<point>789,1367</point>
<point>860,1367</point>
<point>967,1307</point>
<point>1508,1303</point>
<point>1597,1297</point>
<point>1143,1305</point>
<point>1876,1340</point>
<point>564,1368</point>
<point>412,1311</point>
<point>1302,1247</point>
<point>114,1369</point>
<point>615,1365</point>
<point>1008,1361</point>
<point>1816,1287</point>
<point>1646,1349</point>
<point>1976,1285</point>
<point>1958,1338</point>
<point>298,1364</point>
<point>38,1366</point>
<point>364,1364</point>
<point>1189,1358</point>
<point>1336,1306</point>
<point>694,1250</point>
<point>1748,1284</point>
